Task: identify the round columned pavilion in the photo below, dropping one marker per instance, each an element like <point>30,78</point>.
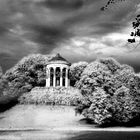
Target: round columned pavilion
<point>57,72</point>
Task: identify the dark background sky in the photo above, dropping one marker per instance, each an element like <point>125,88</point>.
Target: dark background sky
<point>77,29</point>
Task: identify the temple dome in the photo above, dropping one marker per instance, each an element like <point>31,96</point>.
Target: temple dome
<point>58,59</point>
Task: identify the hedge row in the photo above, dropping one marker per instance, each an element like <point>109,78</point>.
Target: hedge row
<point>51,96</point>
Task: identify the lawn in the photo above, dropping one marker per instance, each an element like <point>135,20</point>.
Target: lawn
<point>56,123</point>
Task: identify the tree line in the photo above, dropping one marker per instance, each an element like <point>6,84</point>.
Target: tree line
<point>110,91</point>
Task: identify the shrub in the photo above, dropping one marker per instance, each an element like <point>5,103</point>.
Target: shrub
<point>52,96</point>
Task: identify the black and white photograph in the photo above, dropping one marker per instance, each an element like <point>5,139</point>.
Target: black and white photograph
<point>69,69</point>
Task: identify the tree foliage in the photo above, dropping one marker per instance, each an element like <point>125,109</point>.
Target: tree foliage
<point>1,73</point>
<point>96,106</point>
<point>124,105</point>
<point>76,70</point>
<point>111,91</point>
<point>30,72</point>
<point>26,74</point>
<point>98,74</point>
<point>136,27</point>
<point>109,2</point>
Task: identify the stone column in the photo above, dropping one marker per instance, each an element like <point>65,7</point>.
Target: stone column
<point>61,76</point>
<point>54,77</point>
<point>47,77</point>
<point>66,79</point>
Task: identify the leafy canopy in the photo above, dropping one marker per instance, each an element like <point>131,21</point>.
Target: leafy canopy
<point>111,92</point>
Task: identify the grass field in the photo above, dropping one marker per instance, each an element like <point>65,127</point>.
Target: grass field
<point>27,122</point>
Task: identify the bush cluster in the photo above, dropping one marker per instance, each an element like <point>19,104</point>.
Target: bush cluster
<point>51,96</point>
<point>111,92</point>
<point>28,73</point>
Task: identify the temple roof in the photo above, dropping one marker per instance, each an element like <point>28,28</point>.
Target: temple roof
<point>59,59</point>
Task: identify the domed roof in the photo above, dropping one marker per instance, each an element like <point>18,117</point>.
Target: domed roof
<point>58,59</point>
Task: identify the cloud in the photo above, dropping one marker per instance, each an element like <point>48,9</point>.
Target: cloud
<point>51,22</point>
<point>7,60</point>
<point>88,48</point>
<point>77,28</point>
<point>64,4</point>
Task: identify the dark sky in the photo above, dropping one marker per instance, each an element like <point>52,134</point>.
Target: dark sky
<point>77,29</point>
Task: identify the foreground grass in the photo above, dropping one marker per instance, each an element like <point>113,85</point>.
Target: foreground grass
<point>69,135</point>
<point>41,122</point>
<point>39,116</point>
